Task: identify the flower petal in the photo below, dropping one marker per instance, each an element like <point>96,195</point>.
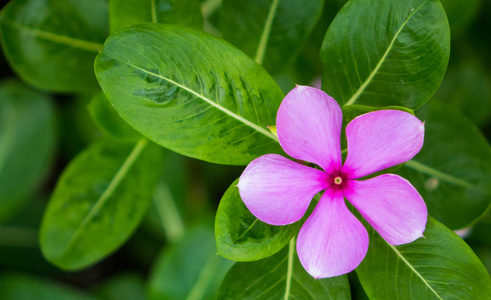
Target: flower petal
<point>277,190</point>
<point>391,205</point>
<point>381,139</point>
<point>332,241</point>
<point>309,127</point>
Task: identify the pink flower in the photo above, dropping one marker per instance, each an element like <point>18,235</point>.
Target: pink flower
<point>278,191</point>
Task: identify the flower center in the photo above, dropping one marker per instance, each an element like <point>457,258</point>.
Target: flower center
<point>337,181</point>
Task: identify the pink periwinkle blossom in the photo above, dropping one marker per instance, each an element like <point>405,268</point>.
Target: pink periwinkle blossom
<point>278,191</point>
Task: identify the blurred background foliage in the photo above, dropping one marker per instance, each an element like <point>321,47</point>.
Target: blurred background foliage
<point>194,186</point>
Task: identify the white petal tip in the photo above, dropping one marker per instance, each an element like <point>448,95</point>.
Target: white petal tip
<point>300,87</point>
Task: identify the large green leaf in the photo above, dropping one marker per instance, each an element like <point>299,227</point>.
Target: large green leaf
<point>386,52</point>
<point>180,12</point>
<point>189,270</point>
<point>453,170</point>
<point>190,92</point>
<point>439,266</point>
<point>99,201</point>
<point>270,31</point>
<point>108,121</point>
<point>52,44</point>
<point>15,286</point>
<point>240,236</point>
<point>280,277</point>
<point>27,143</point>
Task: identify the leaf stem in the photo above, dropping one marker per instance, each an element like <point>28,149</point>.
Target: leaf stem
<point>209,7</point>
<point>289,274</point>
<point>168,212</point>
<point>263,42</point>
<point>154,11</point>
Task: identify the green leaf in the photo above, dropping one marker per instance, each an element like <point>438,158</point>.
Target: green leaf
<point>123,13</point>
<point>189,270</point>
<point>386,52</point>
<point>126,286</point>
<point>453,170</point>
<point>280,277</point>
<point>271,31</point>
<point>240,236</point>
<point>52,44</point>
<point>190,92</point>
<point>108,121</point>
<point>15,286</point>
<point>26,119</point>
<point>98,202</point>
<point>439,266</point>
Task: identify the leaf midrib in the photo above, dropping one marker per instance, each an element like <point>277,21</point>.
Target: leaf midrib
<point>113,185</point>
<point>168,213</point>
<point>246,231</point>
<point>154,11</point>
<point>263,42</point>
<point>399,254</point>
<point>417,166</point>
<point>202,97</point>
<point>57,38</point>
<point>367,81</point>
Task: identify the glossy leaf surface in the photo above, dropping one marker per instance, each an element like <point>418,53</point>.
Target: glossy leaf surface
<point>270,31</point>
<point>386,52</point>
<point>52,44</point>
<point>453,170</point>
<point>15,286</point>
<point>190,92</point>
<point>99,201</point>
<point>240,236</point>
<point>439,266</point>
<point>280,276</point>
<point>108,121</point>
<point>190,269</point>
<point>26,118</point>
<point>180,12</point>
